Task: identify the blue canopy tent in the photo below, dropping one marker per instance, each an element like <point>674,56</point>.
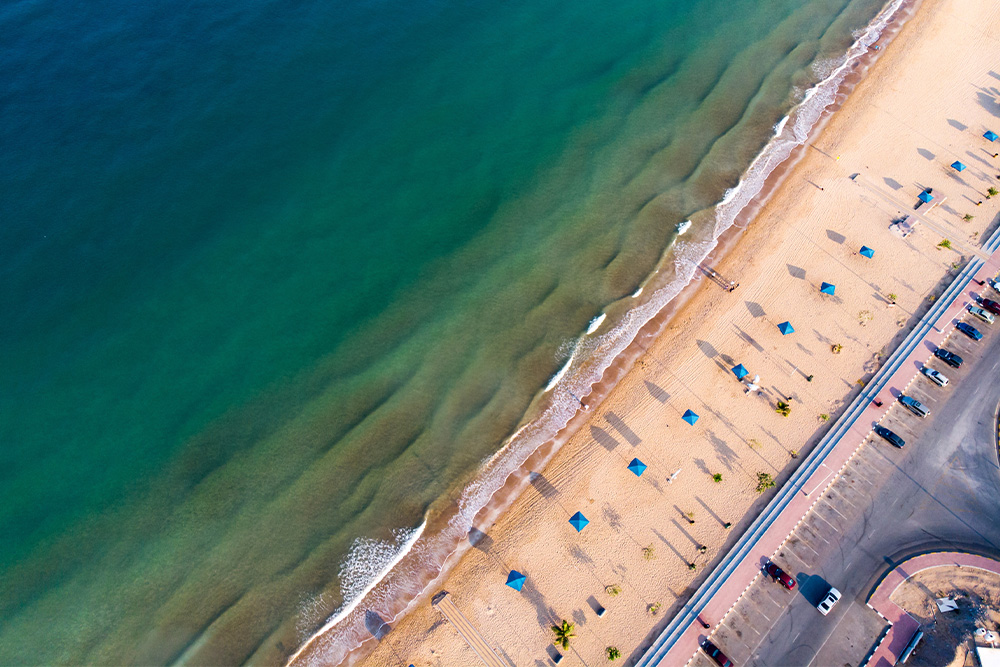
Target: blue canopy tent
<point>827,288</point>
<point>579,521</point>
<point>785,328</point>
<point>638,467</point>
<point>690,417</point>
<point>991,135</point>
<point>925,197</point>
<point>867,252</point>
<point>516,580</point>
<point>957,166</point>
<point>740,371</point>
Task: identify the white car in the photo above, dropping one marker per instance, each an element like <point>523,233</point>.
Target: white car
<point>981,314</point>
<point>935,376</point>
<point>832,597</point>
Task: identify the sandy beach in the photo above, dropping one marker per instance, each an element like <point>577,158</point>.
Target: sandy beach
<point>925,102</point>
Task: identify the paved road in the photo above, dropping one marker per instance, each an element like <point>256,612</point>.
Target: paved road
<point>941,491</point>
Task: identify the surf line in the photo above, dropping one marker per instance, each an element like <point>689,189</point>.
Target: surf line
<point>353,604</point>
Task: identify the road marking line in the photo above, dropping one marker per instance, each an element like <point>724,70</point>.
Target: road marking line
<point>814,531</point>
<point>838,512</point>
<point>828,523</point>
<point>843,497</point>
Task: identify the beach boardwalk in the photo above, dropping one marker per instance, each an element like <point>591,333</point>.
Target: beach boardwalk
<point>443,602</point>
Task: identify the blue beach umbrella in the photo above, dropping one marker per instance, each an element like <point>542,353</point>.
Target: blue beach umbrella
<point>827,288</point>
<point>957,166</point>
<point>740,371</point>
<point>867,252</point>
<point>515,580</point>
<point>991,135</point>
<point>690,417</point>
<point>638,467</point>
<point>925,197</point>
<point>785,328</point>
<point>579,521</point>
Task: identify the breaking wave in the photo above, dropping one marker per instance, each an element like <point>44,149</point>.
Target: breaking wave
<point>383,575</point>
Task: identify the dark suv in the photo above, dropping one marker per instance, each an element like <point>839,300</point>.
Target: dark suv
<point>888,435</point>
<point>969,330</point>
<point>949,358</point>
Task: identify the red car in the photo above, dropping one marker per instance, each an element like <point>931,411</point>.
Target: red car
<point>780,576</point>
<point>990,305</point>
<point>715,654</point>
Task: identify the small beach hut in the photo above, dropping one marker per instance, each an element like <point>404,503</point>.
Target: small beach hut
<point>740,371</point>
<point>991,135</point>
<point>867,252</point>
<point>516,580</point>
<point>690,417</point>
<point>637,466</point>
<point>925,197</point>
<point>827,288</point>
<point>957,166</point>
<point>785,328</point>
<point>579,521</point>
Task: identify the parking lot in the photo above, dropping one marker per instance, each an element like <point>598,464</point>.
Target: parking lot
<point>831,536</point>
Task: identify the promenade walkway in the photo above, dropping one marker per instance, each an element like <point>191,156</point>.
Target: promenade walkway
<point>905,626</point>
<point>717,595</point>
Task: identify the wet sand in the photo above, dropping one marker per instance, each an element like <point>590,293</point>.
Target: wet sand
<point>925,103</point>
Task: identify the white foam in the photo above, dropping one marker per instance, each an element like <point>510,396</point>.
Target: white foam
<point>432,552</point>
<point>363,568</point>
<point>595,323</point>
<point>683,227</point>
<point>562,371</point>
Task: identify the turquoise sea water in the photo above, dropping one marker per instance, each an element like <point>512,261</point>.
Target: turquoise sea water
<point>278,277</point>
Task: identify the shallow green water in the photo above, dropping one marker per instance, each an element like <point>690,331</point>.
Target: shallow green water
<point>280,276</point>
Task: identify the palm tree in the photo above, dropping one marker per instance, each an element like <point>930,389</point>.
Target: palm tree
<point>563,633</point>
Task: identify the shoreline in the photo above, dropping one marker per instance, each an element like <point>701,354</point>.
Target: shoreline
<point>518,480</point>
<point>515,541</point>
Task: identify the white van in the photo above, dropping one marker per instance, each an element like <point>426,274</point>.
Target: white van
<point>981,314</point>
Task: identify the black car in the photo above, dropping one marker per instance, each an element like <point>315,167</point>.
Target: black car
<point>890,436</point>
<point>949,358</point>
<point>715,654</point>
<point>969,330</point>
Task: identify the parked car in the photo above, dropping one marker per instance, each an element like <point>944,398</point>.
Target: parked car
<point>889,436</point>
<point>779,575</point>
<point>992,282</point>
<point>981,314</point>
<point>990,305</point>
<point>969,330</point>
<point>949,358</point>
<point>832,597</point>
<point>934,376</point>
<point>715,654</point>
<point>914,406</point>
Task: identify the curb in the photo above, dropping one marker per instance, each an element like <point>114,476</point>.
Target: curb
<point>684,619</point>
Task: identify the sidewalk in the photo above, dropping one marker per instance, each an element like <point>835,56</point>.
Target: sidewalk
<point>679,641</point>
<point>905,626</point>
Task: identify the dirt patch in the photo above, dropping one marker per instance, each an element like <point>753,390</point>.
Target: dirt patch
<point>948,636</point>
